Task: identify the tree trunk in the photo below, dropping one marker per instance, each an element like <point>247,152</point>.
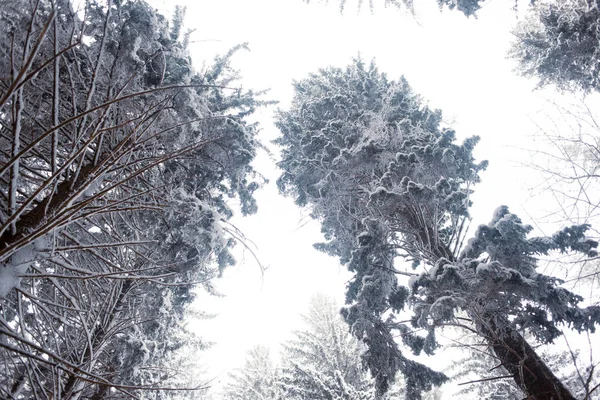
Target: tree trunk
<point>51,205</point>
<point>529,371</point>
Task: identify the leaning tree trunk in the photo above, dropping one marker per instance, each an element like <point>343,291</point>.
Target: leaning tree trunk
<point>528,370</point>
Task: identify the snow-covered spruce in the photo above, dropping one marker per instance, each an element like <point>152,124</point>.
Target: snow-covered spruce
<point>125,159</point>
<point>389,183</point>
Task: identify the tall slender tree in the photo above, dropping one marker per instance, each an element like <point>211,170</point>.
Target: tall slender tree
<point>388,182</point>
<point>323,360</point>
<point>256,380</point>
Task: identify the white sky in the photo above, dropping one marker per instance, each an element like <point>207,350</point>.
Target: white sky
<point>455,63</point>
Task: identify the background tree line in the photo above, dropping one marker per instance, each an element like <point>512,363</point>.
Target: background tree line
<point>323,361</point>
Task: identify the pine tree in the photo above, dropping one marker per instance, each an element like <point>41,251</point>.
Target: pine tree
<point>116,168</point>
<point>387,181</point>
<point>482,377</point>
<point>557,44</point>
<point>323,361</point>
<point>256,380</point>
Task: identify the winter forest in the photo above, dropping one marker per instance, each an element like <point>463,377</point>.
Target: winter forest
<point>295,199</point>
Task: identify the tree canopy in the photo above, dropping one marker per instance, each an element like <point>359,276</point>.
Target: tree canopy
<point>116,168</point>
<point>323,361</point>
<point>120,165</point>
<point>557,44</point>
<point>388,182</point>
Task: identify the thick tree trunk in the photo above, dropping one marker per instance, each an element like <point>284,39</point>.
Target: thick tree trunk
<point>529,371</point>
<point>51,205</point>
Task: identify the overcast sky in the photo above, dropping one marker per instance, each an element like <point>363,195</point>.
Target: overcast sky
<point>456,64</point>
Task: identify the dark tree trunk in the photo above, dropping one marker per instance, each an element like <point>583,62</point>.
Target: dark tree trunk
<point>47,208</point>
<point>101,393</point>
<point>18,384</point>
<point>529,371</point>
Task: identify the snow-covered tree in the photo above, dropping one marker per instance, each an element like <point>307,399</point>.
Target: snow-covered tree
<point>580,376</point>
<point>116,163</point>
<point>388,182</point>
<point>557,43</point>
<point>567,164</point>
<point>256,380</point>
<point>331,143</point>
<point>481,376</point>
<point>323,361</point>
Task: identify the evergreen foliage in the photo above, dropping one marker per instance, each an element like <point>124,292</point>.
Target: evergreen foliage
<point>256,380</point>
<point>387,181</point>
<point>557,44</point>
<point>323,361</point>
<point>348,141</point>
<point>116,168</point>
<point>480,375</point>
<point>467,7</point>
